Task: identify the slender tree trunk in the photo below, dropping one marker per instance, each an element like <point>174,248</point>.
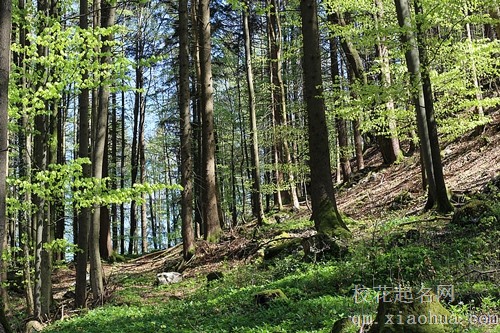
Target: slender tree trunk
<point>327,219</point>
<point>234,211</point>
<point>134,159</point>
<point>390,147</point>
<point>441,195</point>
<point>209,198</point>
<point>413,63</point>
<point>25,148</point>
<point>105,245</point>
<point>5,40</point>
<point>122,172</point>
<point>97,283</point>
<point>283,155</point>
<point>188,247</point>
<point>357,72</point>
<point>341,124</point>
<point>274,94</point>
<point>257,209</point>
<point>197,125</point>
<point>83,152</point>
<point>154,228</point>
<point>475,80</point>
<point>114,168</point>
<point>60,218</point>
<point>42,279</point>
<point>142,175</point>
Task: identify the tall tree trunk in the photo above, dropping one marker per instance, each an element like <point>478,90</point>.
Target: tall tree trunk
<point>413,64</point>
<point>341,124</point>
<point>188,247</point>
<point>105,245</point>
<point>209,198</point>
<point>154,227</point>
<point>5,40</point>
<point>61,160</point>
<point>244,165</point>
<point>283,154</point>
<point>327,219</point>
<point>114,168</point>
<point>475,80</point>
<point>83,152</point>
<point>132,245</point>
<point>356,72</point>
<point>441,195</point>
<point>122,171</point>
<point>197,125</point>
<point>389,143</point>
<point>97,283</point>
<point>25,148</point>
<point>257,209</point>
<point>42,289</point>
<point>142,176</point>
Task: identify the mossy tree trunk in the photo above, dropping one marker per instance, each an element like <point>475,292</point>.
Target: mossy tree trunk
<point>327,219</point>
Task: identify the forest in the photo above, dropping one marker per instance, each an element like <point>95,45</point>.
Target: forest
<point>250,166</point>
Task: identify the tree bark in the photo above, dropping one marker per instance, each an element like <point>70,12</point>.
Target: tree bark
<point>413,63</point>
<point>441,195</point>
<point>114,166</point>
<point>257,209</point>
<point>341,124</point>
<point>42,290</point>
<point>283,155</point>
<point>122,171</point>
<point>96,274</point>
<point>83,152</point>
<point>25,148</point>
<point>198,149</point>
<point>188,247</point>
<point>105,245</point>
<point>209,198</point>
<point>142,176</point>
<point>356,72</point>
<point>5,40</point>
<point>389,143</point>
<point>475,80</point>
<point>327,219</point>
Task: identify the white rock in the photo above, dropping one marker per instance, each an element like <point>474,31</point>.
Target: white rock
<point>168,278</point>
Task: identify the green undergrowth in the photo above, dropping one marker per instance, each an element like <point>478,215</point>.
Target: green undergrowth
<point>419,252</point>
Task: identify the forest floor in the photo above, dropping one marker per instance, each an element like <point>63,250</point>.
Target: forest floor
<point>379,194</point>
<point>468,163</point>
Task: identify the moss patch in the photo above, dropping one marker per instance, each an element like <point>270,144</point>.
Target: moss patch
<point>415,317</point>
<point>264,297</point>
<point>329,222</point>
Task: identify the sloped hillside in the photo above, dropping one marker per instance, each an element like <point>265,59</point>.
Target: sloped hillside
<point>469,163</point>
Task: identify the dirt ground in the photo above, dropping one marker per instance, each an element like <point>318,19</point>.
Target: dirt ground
<point>468,163</point>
